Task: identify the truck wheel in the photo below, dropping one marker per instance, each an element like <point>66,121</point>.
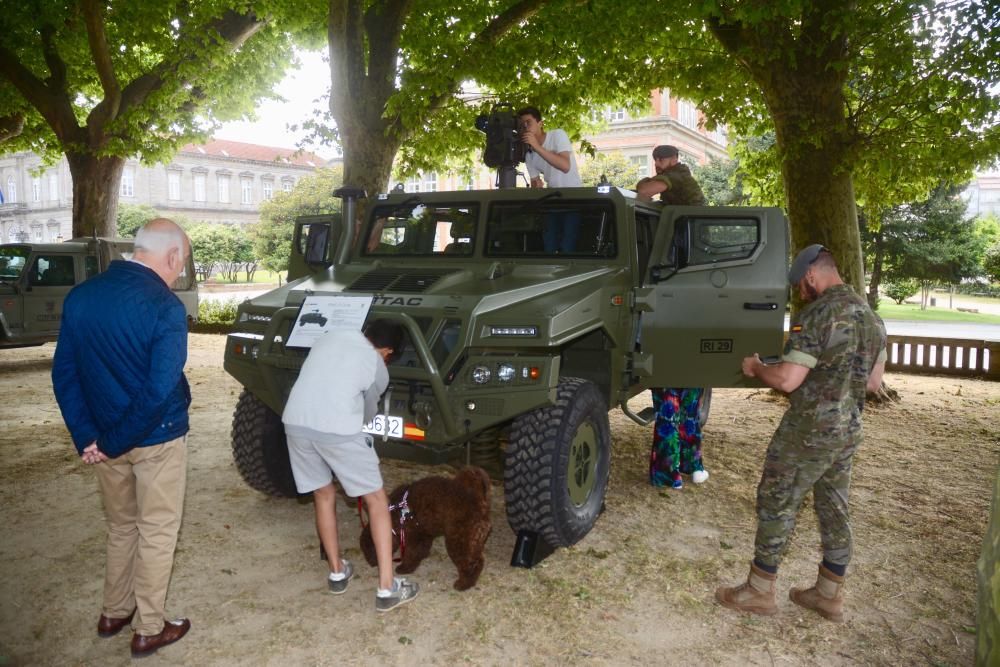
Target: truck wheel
<point>557,464</point>
<point>704,405</point>
<point>259,448</point>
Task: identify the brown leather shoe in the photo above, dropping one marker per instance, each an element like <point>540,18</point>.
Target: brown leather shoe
<point>109,627</point>
<point>143,645</point>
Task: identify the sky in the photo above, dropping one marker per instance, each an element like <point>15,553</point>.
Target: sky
<point>300,88</point>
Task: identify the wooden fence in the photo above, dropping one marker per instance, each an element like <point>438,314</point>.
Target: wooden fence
<point>944,356</point>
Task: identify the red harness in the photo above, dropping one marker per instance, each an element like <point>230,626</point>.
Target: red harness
<point>404,515</point>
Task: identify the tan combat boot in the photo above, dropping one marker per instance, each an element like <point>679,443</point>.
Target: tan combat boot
<point>755,596</point>
<point>826,598</point>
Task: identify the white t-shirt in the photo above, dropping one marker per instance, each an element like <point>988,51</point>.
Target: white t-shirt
<point>558,142</point>
<point>338,388</point>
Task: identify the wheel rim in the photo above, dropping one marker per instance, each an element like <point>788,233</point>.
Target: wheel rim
<point>582,464</point>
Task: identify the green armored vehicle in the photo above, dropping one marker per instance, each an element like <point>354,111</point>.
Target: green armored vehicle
<point>36,277</point>
<point>519,342</point>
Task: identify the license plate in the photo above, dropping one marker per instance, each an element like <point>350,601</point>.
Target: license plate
<point>385,425</point>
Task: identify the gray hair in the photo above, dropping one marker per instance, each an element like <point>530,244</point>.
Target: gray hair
<point>158,238</point>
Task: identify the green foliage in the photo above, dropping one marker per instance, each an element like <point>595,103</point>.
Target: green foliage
<point>721,182</point>
<point>212,313</point>
<point>618,169</point>
<point>312,195</point>
<point>133,216</point>
<point>223,248</point>
<point>932,241</point>
<point>901,290</point>
<point>991,262</point>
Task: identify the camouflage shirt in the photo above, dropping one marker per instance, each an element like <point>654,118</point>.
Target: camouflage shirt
<point>682,189</point>
<point>840,339</point>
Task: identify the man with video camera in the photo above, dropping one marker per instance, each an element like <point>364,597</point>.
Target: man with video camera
<point>550,154</point>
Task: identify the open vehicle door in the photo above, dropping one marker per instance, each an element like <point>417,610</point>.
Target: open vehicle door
<point>714,292</point>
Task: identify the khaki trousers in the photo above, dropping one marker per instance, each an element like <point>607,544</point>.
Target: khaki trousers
<point>143,492</point>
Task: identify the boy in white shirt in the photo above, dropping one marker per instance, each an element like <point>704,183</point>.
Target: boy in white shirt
<point>336,393</point>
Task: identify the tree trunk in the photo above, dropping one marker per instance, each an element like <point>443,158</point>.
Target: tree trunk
<point>96,182</point>
<point>878,261</point>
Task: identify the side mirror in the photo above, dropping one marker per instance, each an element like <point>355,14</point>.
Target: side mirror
<point>316,238</point>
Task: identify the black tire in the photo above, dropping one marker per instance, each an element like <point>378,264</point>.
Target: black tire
<point>704,406</point>
<point>557,464</point>
<point>259,448</point>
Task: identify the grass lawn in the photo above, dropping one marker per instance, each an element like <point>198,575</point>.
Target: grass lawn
<point>888,310</point>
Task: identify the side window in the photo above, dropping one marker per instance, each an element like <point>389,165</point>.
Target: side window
<point>645,230</point>
<point>52,271</point>
<point>714,240</point>
<point>89,266</point>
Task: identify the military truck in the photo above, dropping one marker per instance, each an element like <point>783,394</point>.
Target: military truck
<point>36,277</point>
<point>516,352</point>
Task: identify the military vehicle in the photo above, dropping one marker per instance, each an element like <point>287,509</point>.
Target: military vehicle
<point>516,352</point>
<point>36,277</point>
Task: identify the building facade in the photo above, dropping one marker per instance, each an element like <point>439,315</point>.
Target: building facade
<point>220,181</point>
<point>671,120</point>
<point>983,195</point>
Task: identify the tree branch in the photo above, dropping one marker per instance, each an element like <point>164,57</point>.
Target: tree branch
<point>11,126</point>
<point>52,103</point>
<point>231,29</point>
<point>93,16</point>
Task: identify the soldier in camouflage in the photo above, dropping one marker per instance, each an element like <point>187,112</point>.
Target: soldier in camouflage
<point>673,181</point>
<point>835,353</point>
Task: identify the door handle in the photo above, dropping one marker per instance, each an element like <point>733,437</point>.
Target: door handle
<point>749,305</point>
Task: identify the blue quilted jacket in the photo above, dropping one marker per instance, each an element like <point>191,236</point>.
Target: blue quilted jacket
<point>118,366</point>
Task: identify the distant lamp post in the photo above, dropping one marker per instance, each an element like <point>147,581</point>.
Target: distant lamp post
<point>59,238</point>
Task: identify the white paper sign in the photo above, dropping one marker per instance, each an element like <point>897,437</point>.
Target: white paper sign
<point>321,313</point>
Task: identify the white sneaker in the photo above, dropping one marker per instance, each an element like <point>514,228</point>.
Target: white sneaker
<point>699,476</point>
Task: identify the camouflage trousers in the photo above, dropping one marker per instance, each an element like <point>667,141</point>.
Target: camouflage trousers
<point>793,466</point>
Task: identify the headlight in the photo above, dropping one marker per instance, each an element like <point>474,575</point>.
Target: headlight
<point>480,375</point>
<point>505,372</point>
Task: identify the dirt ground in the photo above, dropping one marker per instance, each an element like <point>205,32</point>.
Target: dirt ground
<point>637,590</point>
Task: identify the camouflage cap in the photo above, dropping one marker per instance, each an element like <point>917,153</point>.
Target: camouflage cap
<point>802,262</point>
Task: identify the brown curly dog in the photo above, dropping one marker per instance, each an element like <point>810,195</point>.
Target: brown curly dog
<point>457,508</point>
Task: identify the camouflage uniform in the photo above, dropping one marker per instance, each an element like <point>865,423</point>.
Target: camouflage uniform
<point>682,189</point>
<point>840,340</point>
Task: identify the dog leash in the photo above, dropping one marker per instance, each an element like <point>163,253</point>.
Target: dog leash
<point>404,514</point>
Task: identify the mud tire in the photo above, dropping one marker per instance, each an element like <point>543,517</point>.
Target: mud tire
<point>259,448</point>
<point>557,464</point>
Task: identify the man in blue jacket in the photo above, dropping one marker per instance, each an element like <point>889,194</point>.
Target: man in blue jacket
<point>119,381</point>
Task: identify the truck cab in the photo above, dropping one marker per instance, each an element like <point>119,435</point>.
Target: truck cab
<point>36,277</point>
<point>529,315</point>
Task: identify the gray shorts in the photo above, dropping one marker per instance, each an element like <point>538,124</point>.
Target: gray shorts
<point>354,462</point>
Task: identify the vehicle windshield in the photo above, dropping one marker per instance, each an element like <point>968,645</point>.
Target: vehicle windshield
<point>12,261</point>
<point>549,227</point>
<point>415,229</point>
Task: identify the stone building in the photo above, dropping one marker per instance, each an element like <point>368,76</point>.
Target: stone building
<point>220,181</point>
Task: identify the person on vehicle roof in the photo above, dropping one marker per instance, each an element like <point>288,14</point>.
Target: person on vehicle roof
<point>673,181</point>
<point>550,154</point>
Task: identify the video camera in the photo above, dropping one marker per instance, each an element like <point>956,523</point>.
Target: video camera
<point>504,147</point>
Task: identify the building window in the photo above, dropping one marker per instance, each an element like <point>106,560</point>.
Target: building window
<point>412,184</point>
<point>687,114</point>
<point>11,195</point>
<point>37,230</point>
<point>665,102</point>
<point>246,186</point>
<point>223,189</point>
<point>616,114</point>
<point>53,186</point>
<point>173,185</point>
<point>286,185</point>
<point>128,182</point>
<point>431,182</point>
<point>268,188</point>
<point>640,161</point>
<point>199,186</point>
<point>36,188</point>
